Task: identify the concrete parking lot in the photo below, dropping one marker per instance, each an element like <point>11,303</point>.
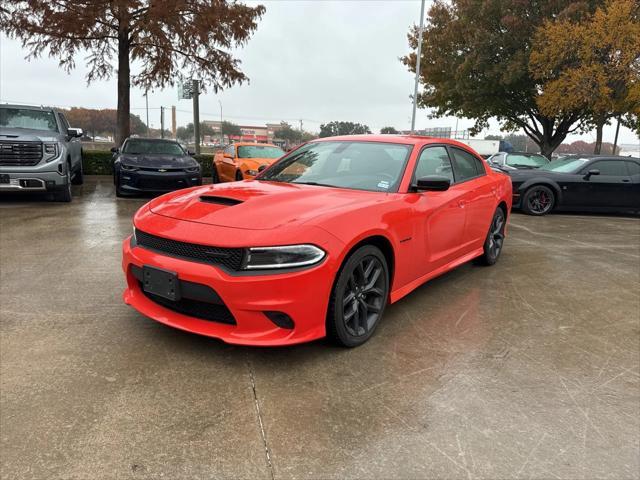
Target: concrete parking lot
<point>529,369</point>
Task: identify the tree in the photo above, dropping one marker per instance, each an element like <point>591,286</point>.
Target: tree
<point>288,133</point>
<point>229,128</point>
<point>187,133</point>
<point>475,64</point>
<point>101,121</point>
<point>333,129</point>
<point>590,64</point>
<point>166,38</point>
<point>385,130</point>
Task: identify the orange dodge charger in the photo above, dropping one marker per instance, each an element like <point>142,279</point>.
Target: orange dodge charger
<point>243,160</point>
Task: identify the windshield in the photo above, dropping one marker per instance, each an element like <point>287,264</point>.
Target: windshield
<point>373,166</point>
<point>259,151</point>
<point>138,146</point>
<point>28,118</point>
<point>523,160</point>
<point>565,165</point>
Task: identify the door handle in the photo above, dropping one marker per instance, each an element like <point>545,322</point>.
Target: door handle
<point>625,180</point>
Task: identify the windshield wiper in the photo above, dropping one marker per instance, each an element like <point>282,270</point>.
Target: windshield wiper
<point>316,183</point>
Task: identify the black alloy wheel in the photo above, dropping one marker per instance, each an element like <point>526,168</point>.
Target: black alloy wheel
<point>359,297</point>
<point>538,200</point>
<point>495,238</point>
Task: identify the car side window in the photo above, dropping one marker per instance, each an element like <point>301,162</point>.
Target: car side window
<point>465,165</point>
<point>634,168</point>
<point>433,161</point>
<point>64,123</point>
<point>615,168</point>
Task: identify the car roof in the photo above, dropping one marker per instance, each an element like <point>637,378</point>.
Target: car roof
<point>254,144</point>
<point>392,138</point>
<point>28,107</point>
<point>171,140</point>
<point>600,157</point>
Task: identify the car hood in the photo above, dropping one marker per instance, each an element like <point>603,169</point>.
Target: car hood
<point>157,161</point>
<point>27,134</point>
<point>259,205</point>
<point>257,161</point>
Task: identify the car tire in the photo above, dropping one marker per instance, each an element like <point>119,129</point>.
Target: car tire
<point>495,238</point>
<point>64,194</point>
<point>358,298</point>
<point>538,200</point>
<point>215,178</point>
<point>239,176</point>
<point>78,178</point>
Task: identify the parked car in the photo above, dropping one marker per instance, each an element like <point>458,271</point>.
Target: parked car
<point>153,165</point>
<point>517,161</point>
<point>243,160</point>
<point>319,243</point>
<point>581,183</point>
<point>39,152</point>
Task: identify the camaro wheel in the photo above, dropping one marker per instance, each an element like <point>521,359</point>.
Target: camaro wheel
<point>239,176</point>
<point>495,238</point>
<point>538,200</point>
<point>215,178</point>
<point>359,297</point>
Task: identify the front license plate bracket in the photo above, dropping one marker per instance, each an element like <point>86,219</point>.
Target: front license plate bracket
<point>163,283</point>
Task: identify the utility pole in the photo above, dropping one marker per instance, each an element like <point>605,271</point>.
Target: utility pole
<point>221,133</point>
<point>300,125</point>
<point>415,87</point>
<point>196,113</point>
<point>146,101</point>
<point>161,122</point>
<point>173,121</point>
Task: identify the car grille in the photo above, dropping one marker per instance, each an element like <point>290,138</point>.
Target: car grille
<point>161,183</point>
<point>195,308</point>
<point>20,154</point>
<point>229,258</point>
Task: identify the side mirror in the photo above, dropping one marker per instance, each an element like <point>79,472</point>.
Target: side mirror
<point>190,152</point>
<point>115,150</point>
<point>227,155</point>
<point>261,168</point>
<point>593,171</point>
<point>432,183</point>
<point>74,132</point>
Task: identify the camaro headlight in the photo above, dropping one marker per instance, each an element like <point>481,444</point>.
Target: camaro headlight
<point>253,173</point>
<point>128,168</point>
<point>195,169</point>
<point>289,256</point>
<point>50,150</point>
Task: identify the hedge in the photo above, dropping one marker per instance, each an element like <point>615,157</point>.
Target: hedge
<point>95,162</point>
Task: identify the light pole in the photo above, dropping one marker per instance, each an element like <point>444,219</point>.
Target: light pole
<point>415,87</point>
<point>221,134</point>
<point>146,101</point>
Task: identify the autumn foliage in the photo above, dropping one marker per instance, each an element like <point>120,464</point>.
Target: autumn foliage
<point>162,39</point>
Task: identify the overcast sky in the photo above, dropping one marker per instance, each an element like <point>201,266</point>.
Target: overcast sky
<point>312,60</point>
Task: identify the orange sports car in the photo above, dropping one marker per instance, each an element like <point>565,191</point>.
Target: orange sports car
<point>243,160</point>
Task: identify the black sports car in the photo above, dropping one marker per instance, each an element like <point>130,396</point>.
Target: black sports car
<point>153,165</point>
<point>579,183</point>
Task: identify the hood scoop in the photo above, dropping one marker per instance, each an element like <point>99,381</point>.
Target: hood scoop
<point>217,200</point>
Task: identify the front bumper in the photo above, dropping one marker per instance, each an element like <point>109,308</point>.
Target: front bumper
<point>31,181</point>
<point>303,295</point>
<point>154,181</point>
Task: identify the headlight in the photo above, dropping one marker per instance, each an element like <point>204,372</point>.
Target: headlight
<point>128,168</point>
<point>50,150</point>
<point>253,173</point>
<point>290,256</point>
<point>195,169</point>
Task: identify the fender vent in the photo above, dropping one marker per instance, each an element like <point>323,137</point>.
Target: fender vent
<point>220,200</point>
